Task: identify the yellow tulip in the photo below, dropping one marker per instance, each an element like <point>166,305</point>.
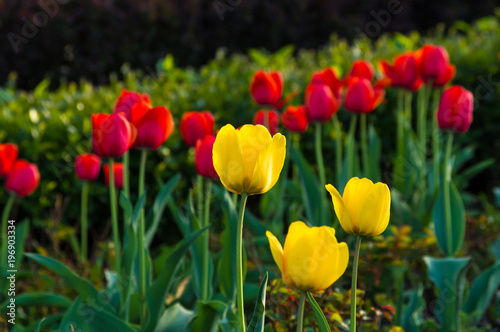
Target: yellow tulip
<point>312,259</point>
<point>364,208</point>
<point>249,159</point>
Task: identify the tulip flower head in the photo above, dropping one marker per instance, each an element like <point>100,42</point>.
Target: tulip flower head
<point>321,103</point>
<point>8,155</point>
<point>87,166</point>
<point>196,125</point>
<point>112,134</point>
<point>118,174</point>
<point>153,127</point>
<point>364,208</point>
<point>203,159</point>
<point>23,178</point>
<point>128,99</point>
<point>273,119</point>
<point>327,76</point>
<point>249,159</point>
<point>312,259</point>
<point>295,118</point>
<point>362,69</point>
<point>267,88</point>
<point>435,65</point>
<point>404,73</point>
<point>455,109</point>
<point>361,96</point>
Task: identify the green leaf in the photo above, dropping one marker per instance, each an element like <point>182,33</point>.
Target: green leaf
<point>129,255</point>
<point>176,318</point>
<point>208,316</point>
<point>318,313</point>
<point>83,287</point>
<point>259,313</point>
<point>258,57</point>
<point>127,208</point>
<point>457,220</point>
<point>39,326</point>
<point>448,275</point>
<point>374,153</point>
<point>466,175</point>
<point>159,206</point>
<point>314,197</point>
<point>157,292</point>
<point>225,269</point>
<point>83,318</point>
<point>39,299</point>
<point>21,234</point>
<point>137,210</point>
<point>412,311</point>
<point>482,291</point>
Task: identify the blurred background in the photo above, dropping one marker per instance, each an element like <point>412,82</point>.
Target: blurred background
<point>69,39</point>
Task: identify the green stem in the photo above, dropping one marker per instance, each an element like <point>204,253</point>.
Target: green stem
<point>5,219</point>
<point>446,194</point>
<point>296,145</point>
<point>206,247</point>
<point>114,221</point>
<point>140,238</point>
<point>300,312</point>
<point>278,217</point>
<point>398,175</point>
<point>354,283</point>
<point>319,155</point>
<point>84,221</point>
<point>350,147</point>
<point>435,137</point>
<point>421,128</point>
<point>126,181</point>
<point>338,147</point>
<point>364,147</point>
<point>407,110</point>
<point>239,264</point>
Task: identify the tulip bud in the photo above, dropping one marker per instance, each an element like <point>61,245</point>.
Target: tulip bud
<point>266,88</point>
<point>361,97</point>
<point>118,174</point>
<point>404,73</point>
<point>112,135</point>
<point>196,125</point>
<point>8,155</point>
<point>153,128</point>
<point>362,69</point>
<point>127,100</point>
<point>203,158</point>
<point>295,118</point>
<point>435,65</point>
<point>321,103</point>
<point>23,178</point>
<point>455,109</point>
<point>87,166</point>
<point>268,118</point>
<point>312,259</point>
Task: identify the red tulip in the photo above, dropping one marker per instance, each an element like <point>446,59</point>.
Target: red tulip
<point>404,73</point>
<point>321,103</point>
<point>196,125</point>
<point>153,127</point>
<point>112,135</point>
<point>273,119</point>
<point>118,174</point>
<point>23,178</point>
<point>203,160</point>
<point>8,155</point>
<point>362,69</point>
<point>327,76</point>
<point>455,109</point>
<point>295,118</point>
<point>361,97</point>
<point>435,65</point>
<point>87,166</point>
<point>127,100</point>
<point>266,88</point>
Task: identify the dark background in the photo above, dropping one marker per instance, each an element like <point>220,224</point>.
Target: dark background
<point>92,39</point>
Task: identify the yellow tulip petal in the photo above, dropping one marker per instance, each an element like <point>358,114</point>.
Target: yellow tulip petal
<point>269,165</point>
<point>342,261</point>
<point>355,193</point>
<point>252,140</point>
<point>375,212</point>
<point>340,209</point>
<point>228,160</point>
<point>276,250</point>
